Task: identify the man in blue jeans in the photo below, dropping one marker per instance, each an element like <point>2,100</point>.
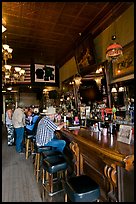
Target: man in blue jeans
<point>45,135</point>
<point>18,120</point>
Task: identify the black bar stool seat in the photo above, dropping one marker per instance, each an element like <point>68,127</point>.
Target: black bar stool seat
<point>29,139</point>
<point>82,189</point>
<point>51,152</point>
<point>54,163</point>
<point>51,165</point>
<point>29,136</point>
<point>41,149</point>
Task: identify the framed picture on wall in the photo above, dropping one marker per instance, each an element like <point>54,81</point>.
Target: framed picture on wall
<point>85,55</point>
<point>125,64</point>
<point>44,73</point>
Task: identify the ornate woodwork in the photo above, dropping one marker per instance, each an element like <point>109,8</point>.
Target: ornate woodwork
<point>106,164</point>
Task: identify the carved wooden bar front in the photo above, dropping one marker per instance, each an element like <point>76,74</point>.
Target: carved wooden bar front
<point>75,149</point>
<point>110,166</point>
<point>111,173</point>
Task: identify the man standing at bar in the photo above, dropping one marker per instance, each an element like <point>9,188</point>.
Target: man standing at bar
<point>19,123</point>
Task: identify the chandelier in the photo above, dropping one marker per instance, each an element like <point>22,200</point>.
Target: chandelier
<point>114,50</point>
<point>7,52</point>
<point>10,74</point>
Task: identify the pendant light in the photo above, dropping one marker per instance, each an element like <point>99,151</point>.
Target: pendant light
<point>114,50</point>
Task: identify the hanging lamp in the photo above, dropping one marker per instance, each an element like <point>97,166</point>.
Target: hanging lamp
<point>114,50</point>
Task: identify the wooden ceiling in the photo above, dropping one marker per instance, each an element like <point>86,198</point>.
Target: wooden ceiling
<point>48,32</point>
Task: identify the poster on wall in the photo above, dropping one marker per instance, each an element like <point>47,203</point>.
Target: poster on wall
<point>85,55</point>
<point>44,73</point>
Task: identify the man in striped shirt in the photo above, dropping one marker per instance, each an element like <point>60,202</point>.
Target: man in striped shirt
<point>45,135</point>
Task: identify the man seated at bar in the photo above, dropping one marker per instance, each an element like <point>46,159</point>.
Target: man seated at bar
<point>45,135</point>
<point>30,121</point>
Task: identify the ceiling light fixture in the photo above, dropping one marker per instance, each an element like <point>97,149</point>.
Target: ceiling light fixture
<point>114,50</point>
<point>10,74</point>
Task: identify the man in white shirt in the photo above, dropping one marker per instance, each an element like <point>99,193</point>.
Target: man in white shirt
<point>19,123</point>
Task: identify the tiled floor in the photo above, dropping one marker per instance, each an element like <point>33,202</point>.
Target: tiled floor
<point>18,180</point>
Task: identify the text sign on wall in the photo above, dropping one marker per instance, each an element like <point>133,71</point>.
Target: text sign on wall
<point>44,73</point>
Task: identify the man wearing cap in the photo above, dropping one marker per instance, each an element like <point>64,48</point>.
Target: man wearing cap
<point>45,135</point>
<point>19,123</point>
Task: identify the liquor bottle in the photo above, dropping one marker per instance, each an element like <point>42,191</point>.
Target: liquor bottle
<point>114,112</point>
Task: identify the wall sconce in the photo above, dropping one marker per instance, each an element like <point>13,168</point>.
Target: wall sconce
<point>77,79</point>
<point>121,89</point>
<point>99,70</point>
<point>45,91</point>
<point>71,83</point>
<point>113,90</point>
<point>98,80</point>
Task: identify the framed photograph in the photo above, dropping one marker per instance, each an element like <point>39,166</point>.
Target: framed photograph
<point>44,73</point>
<point>125,65</point>
<point>85,55</point>
<point>125,134</point>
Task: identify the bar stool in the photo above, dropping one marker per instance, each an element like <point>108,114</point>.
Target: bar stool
<point>39,150</point>
<point>29,145</point>
<point>81,189</point>
<point>41,153</point>
<point>51,165</point>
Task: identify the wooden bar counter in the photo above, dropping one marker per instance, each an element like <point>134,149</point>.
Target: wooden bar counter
<point>109,162</point>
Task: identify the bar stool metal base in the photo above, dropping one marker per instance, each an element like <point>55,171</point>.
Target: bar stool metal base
<point>58,187</point>
<point>54,165</point>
